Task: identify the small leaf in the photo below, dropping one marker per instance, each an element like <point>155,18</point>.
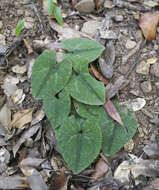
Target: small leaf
<point>58,15</point>
<point>83,48</point>
<point>50,6</point>
<point>19,27</point>
<point>79,144</point>
<point>112,111</point>
<point>57,109</point>
<point>48,78</point>
<point>87,90</point>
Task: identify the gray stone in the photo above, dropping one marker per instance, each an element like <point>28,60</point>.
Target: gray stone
<point>108,4</point>
<point>155,69</point>
<point>143,68</point>
<point>90,27</point>
<point>146,86</point>
<point>1,24</point>
<point>118,18</point>
<point>130,44</point>
<point>85,6</point>
<point>20,12</point>
<point>2,39</point>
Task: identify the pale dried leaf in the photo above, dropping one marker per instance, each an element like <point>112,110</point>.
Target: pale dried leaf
<point>28,133</point>
<point>31,162</point>
<point>18,96</point>
<point>21,118</point>
<point>152,149</point>
<point>38,116</point>
<point>5,117</point>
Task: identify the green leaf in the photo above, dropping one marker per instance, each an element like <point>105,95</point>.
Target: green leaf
<point>82,51</point>
<point>49,77</point>
<point>86,89</point>
<point>57,109</point>
<point>79,144</point>
<point>19,27</point>
<point>115,135</point>
<point>58,15</point>
<point>50,6</point>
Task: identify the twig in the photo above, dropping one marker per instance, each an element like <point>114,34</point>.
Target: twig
<point>29,48</point>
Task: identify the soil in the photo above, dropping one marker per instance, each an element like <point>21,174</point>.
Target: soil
<point>12,11</point>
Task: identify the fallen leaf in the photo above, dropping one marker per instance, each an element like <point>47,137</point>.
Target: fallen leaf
<point>97,2</point>
<point>112,111</point>
<point>38,116</point>
<point>98,75</point>
<point>31,162</point>
<point>101,169</point>
<point>154,185</point>
<point>151,3</point>
<point>13,182</point>
<point>152,60</point>
<point>65,32</point>
<point>18,96</point>
<point>28,133</point>
<point>59,182</point>
<point>152,150</point>
<point>21,118</point>
<point>148,23</point>
<point>5,117</point>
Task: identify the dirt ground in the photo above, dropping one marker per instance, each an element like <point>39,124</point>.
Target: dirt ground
<point>142,84</point>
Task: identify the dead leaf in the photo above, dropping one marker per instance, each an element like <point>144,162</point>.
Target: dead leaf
<point>21,118</point>
<point>59,182</point>
<point>28,133</point>
<point>65,32</point>
<point>112,111</point>
<point>37,117</point>
<point>152,150</point>
<point>98,75</point>
<point>31,162</point>
<point>5,117</point>
<point>13,182</point>
<point>97,2</point>
<point>100,169</point>
<point>153,186</point>
<point>148,23</point>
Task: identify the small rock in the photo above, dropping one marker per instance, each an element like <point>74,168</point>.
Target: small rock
<point>135,92</point>
<point>137,104</point>
<point>20,12</point>
<point>19,69</point>
<point>108,4</point>
<point>90,27</point>
<point>157,85</point>
<point>155,69</point>
<point>108,34</point>
<point>118,18</point>
<point>1,24</point>
<point>29,142</point>
<point>130,44</point>
<point>146,86</point>
<point>2,39</point>
<point>29,22</point>
<point>143,68</point>
<point>85,6</point>
<point>129,146</point>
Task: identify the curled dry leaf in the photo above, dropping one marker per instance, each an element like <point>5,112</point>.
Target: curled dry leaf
<point>21,118</point>
<point>5,117</point>
<point>112,111</point>
<point>101,169</point>
<point>148,23</point>
<point>98,75</point>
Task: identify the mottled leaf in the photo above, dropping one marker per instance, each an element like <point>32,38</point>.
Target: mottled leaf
<point>79,143</point>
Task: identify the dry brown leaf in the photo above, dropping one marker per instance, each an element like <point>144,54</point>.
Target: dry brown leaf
<point>112,111</point>
<point>21,118</point>
<point>37,117</point>
<point>148,23</point>
<point>98,75</point>
<point>101,169</point>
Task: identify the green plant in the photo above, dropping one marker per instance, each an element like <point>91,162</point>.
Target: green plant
<point>53,9</point>
<point>19,27</point>
<point>71,100</point>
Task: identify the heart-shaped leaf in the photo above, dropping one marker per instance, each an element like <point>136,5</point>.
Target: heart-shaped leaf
<point>49,77</point>
<point>79,144</point>
<point>86,89</point>
<point>82,51</point>
<point>57,109</point>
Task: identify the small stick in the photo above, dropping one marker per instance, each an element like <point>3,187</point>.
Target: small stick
<point>29,48</point>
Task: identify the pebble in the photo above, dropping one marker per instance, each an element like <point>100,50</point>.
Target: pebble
<point>1,24</point>
<point>20,12</point>
<point>29,142</point>
<point>130,44</point>
<point>29,22</point>
<point>143,68</point>
<point>129,146</point>
<point>2,40</point>
<point>19,69</point>
<point>90,27</point>
<point>85,6</point>
<point>108,4</point>
<point>146,86</point>
<point>155,69</point>
<point>118,18</point>
<point>108,34</point>
<point>157,85</point>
